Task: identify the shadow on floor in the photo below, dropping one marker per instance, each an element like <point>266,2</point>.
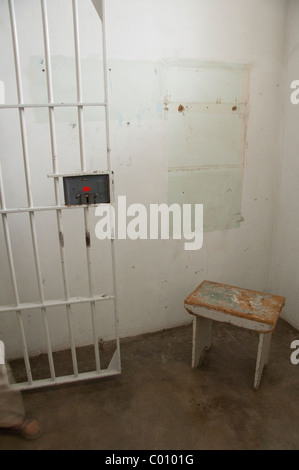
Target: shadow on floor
<point>160,403</point>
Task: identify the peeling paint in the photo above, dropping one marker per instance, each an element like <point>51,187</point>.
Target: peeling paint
<point>257,306</point>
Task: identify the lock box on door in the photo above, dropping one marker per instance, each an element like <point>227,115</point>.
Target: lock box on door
<point>86,189</point>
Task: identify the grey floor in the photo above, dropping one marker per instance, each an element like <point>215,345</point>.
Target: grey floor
<point>160,403</point>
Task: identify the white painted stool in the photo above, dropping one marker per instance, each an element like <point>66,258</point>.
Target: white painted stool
<point>245,308</point>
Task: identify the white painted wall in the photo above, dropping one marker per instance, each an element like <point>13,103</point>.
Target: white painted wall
<point>154,276</point>
<point>285,266</point>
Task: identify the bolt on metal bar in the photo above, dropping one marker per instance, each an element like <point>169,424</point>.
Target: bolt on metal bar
<point>56,181</point>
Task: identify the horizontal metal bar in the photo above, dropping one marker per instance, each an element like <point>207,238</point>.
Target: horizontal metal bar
<point>51,105</point>
<point>65,379</point>
<point>45,208</point>
<point>79,173</point>
<point>55,303</point>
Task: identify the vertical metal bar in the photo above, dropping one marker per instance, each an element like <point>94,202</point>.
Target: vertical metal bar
<point>107,119</point>
<point>25,150</point>
<point>79,84</point>
<point>26,168</point>
<point>83,168</point>
<point>56,181</point>
<point>10,258</point>
<point>15,48</point>
<point>92,304</point>
<point>28,183</point>
<point>50,97</point>
<point>106,92</point>
<point>14,280</point>
<point>25,349</point>
<point>8,243</point>
<point>72,340</point>
<point>49,345</point>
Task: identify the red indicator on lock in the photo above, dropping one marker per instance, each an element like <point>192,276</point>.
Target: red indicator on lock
<point>86,189</point>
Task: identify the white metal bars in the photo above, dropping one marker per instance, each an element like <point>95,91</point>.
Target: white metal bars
<point>114,366</point>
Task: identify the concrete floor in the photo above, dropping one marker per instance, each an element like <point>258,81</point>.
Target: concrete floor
<point>160,403</point>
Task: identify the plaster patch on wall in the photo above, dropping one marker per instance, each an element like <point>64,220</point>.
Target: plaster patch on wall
<point>219,190</point>
<point>206,114</point>
<point>197,138</point>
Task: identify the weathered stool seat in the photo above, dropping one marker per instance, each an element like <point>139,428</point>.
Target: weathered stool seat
<point>245,308</point>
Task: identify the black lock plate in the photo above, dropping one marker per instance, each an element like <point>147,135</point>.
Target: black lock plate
<point>86,189</point>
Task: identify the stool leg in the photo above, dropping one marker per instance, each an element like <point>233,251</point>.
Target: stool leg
<point>262,357</point>
<point>202,339</point>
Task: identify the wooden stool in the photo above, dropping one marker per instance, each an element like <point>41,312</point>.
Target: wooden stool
<point>245,308</point>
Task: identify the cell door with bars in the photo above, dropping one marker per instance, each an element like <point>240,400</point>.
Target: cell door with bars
<point>57,280</point>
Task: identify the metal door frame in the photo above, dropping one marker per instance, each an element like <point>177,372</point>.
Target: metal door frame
<point>114,366</point>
